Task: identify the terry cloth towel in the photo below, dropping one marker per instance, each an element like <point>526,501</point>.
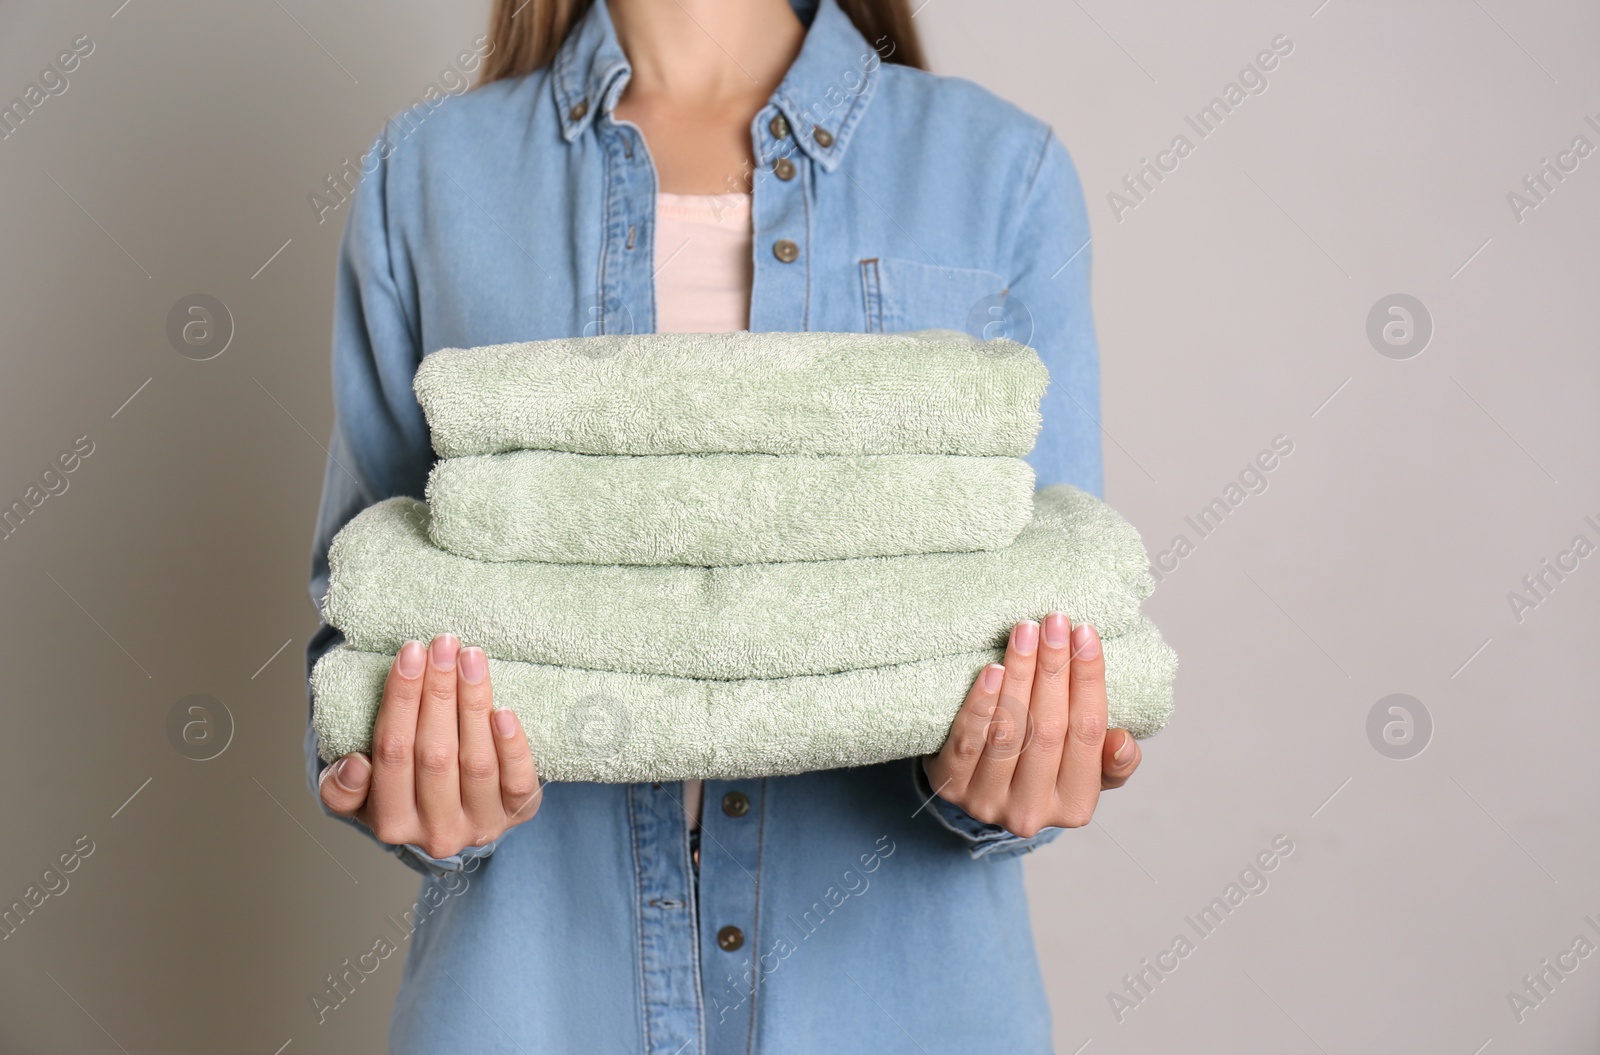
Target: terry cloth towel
<point>389,584</point>
<point>598,726</point>
<point>930,392</point>
<point>715,509</point>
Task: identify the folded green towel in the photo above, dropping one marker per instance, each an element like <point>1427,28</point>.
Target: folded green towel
<point>598,726</point>
<point>390,584</point>
<point>932,392</point>
<point>713,509</point>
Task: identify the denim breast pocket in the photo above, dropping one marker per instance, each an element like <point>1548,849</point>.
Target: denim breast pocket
<point>904,295</point>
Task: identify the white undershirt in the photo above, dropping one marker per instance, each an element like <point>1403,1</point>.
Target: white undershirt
<point>704,271</point>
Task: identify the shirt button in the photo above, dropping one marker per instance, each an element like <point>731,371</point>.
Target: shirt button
<point>785,250</point>
<point>730,939</point>
<point>783,168</point>
<point>779,127</point>
<point>823,137</point>
<point>581,107</point>
<point>736,804</point>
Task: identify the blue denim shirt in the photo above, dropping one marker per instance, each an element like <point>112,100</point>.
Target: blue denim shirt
<point>870,914</point>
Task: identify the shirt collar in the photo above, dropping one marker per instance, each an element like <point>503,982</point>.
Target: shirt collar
<point>828,86</point>
<point>589,71</point>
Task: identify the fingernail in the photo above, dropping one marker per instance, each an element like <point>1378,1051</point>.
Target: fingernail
<point>989,680</point>
<point>1025,638</point>
<point>351,772</point>
<point>443,651</point>
<point>1057,628</point>
<point>412,656</point>
<point>1127,745</point>
<point>505,723</point>
<point>1085,642</point>
<point>474,664</point>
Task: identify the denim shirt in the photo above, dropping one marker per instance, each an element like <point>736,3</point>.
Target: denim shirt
<point>849,910</point>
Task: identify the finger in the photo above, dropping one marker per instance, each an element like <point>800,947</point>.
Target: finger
<point>438,772</point>
<point>1079,782</point>
<point>343,785</point>
<point>477,760</point>
<point>991,782</point>
<point>1033,785</point>
<point>950,771</point>
<point>392,802</point>
<point>520,790</point>
<point>1120,757</point>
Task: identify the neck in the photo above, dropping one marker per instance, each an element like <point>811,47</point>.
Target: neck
<point>707,52</point>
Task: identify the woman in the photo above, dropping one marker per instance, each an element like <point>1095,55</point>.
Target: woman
<point>714,164</point>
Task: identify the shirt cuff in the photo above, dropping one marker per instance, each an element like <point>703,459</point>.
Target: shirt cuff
<point>467,860</point>
<point>984,839</point>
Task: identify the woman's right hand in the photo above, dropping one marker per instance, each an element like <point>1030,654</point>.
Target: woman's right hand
<point>448,771</point>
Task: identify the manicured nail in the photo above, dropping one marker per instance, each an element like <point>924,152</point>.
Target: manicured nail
<point>505,723</point>
<point>1127,745</point>
<point>989,680</point>
<point>351,772</point>
<point>1025,638</point>
<point>443,651</point>
<point>1057,628</point>
<point>474,664</point>
<point>412,656</point>
<point>1085,642</point>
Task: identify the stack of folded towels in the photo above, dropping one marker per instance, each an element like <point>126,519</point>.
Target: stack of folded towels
<point>733,555</point>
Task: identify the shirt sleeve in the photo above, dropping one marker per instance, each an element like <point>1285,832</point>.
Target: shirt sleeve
<point>379,447</point>
<point>1049,287</point>
<point>1048,303</point>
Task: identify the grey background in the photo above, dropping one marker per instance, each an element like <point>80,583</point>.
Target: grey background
<point>1232,307</point>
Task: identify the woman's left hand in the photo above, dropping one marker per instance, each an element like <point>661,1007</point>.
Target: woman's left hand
<point>1029,748</point>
